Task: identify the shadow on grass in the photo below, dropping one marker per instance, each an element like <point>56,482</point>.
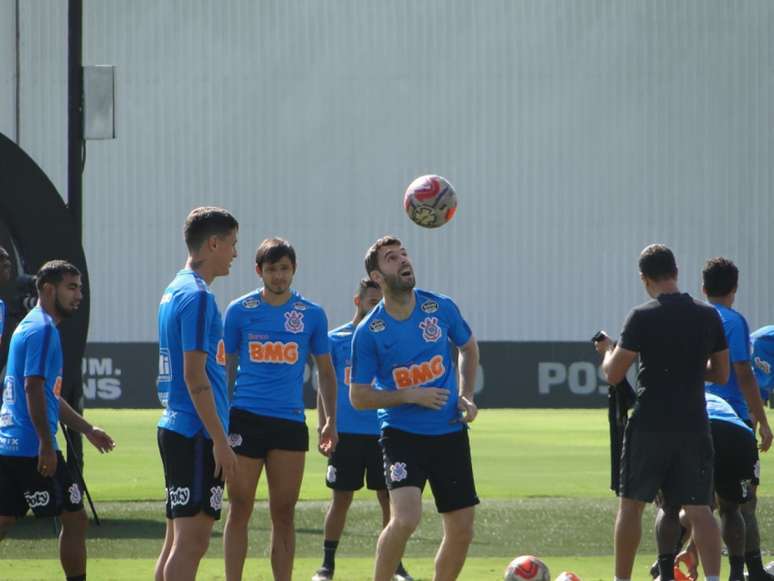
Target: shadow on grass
<point>111,528</point>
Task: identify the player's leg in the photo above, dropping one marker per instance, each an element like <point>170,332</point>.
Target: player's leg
<point>405,514</point>
<point>343,476</point>
<point>451,480</point>
<point>628,531</point>
<point>706,535</point>
<point>689,483</point>
<point>668,533</point>
<point>383,498</point>
<point>335,519</point>
<point>247,436</point>
<point>284,472</point>
<point>457,536</point>
<point>241,495</point>
<point>191,539</point>
<point>645,459</point>
<point>72,542</point>
<point>166,548</point>
<point>733,533</point>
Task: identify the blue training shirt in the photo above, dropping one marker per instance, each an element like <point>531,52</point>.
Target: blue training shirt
<point>738,338</point>
<point>412,353</point>
<point>763,359</point>
<point>35,351</point>
<point>720,410</point>
<point>348,419</point>
<point>273,344</point>
<point>189,320</point>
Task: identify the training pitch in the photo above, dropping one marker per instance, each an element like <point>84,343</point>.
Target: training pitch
<point>542,476</point>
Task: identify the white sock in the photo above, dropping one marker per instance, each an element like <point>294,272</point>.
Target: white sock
<point>620,579</point>
<point>713,577</point>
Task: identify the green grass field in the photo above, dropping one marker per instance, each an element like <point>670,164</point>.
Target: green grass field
<point>542,476</point>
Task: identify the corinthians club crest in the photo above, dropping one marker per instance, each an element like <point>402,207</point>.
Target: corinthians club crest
<point>294,322</point>
<point>431,332</point>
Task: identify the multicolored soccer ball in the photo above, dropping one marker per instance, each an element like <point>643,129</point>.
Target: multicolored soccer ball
<point>527,568</point>
<point>430,201</point>
<point>567,576</point>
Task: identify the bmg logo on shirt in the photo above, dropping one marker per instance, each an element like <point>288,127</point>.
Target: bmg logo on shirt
<point>273,352</point>
<point>419,373</point>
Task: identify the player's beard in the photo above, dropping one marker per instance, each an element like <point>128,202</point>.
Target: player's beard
<point>62,311</point>
<point>395,283</point>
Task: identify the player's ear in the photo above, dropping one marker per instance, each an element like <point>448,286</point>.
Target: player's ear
<point>356,300</point>
<point>258,270</point>
<point>375,276</point>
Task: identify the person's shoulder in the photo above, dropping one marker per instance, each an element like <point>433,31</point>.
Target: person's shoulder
<point>247,302</point>
<point>342,331</point>
<point>646,307</point>
<point>37,321</point>
<point>430,302</point>
<point>373,323</point>
<point>298,302</point>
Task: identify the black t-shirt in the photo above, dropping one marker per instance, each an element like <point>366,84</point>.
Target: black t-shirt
<point>674,336</point>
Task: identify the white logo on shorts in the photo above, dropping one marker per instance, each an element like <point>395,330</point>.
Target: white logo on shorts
<point>331,475</point>
<point>398,471</point>
<point>75,494</point>
<point>234,440</point>
<point>746,486</point>
<point>37,498</point>
<point>757,469</point>
<point>178,496</point>
<point>216,497</point>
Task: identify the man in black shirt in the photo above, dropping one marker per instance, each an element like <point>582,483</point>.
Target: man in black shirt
<point>667,444</point>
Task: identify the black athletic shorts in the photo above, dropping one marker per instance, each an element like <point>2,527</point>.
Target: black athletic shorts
<point>678,463</point>
<point>253,436</point>
<point>736,460</point>
<point>356,456</point>
<point>757,478</point>
<point>413,459</point>
<point>189,466</point>
<point>23,488</point>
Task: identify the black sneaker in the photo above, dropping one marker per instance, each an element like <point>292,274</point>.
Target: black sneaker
<point>654,570</point>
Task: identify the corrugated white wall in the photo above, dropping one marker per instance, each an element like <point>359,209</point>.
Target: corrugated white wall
<point>574,132</point>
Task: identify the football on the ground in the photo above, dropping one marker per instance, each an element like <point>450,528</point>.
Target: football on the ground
<point>430,201</point>
<point>527,568</point>
<point>567,576</point>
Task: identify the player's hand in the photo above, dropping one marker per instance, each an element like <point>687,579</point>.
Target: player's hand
<point>100,439</point>
<point>468,408</point>
<point>764,434</point>
<point>688,558</point>
<point>328,438</point>
<point>47,460</point>
<point>603,344</point>
<point>429,397</point>
<point>225,460</point>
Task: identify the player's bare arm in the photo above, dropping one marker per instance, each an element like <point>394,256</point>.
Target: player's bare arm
<point>718,367</point>
<point>327,395</point>
<point>96,436</point>
<point>468,364</point>
<point>617,360</point>
<point>752,395</point>
<point>35,392</point>
<point>195,375</point>
<point>366,397</point>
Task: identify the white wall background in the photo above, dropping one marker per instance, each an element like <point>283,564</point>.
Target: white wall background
<point>575,132</point>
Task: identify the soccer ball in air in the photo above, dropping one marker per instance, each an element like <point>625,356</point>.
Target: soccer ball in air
<point>430,201</point>
<point>567,576</point>
<point>527,568</point>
